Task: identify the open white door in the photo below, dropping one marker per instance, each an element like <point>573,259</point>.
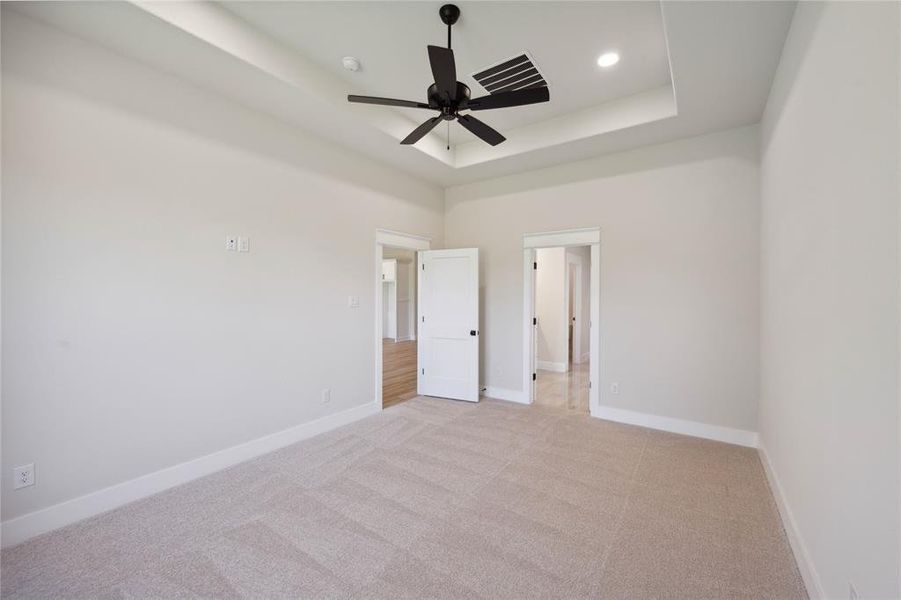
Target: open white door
<point>449,324</point>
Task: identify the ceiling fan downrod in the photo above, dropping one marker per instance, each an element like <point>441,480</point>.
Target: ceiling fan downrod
<point>449,14</point>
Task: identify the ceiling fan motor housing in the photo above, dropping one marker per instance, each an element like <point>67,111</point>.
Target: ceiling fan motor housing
<point>440,102</point>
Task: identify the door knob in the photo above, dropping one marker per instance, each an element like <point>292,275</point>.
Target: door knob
<point>473,332</point>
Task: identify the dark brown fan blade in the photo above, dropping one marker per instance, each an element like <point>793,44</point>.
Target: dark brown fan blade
<point>444,70</point>
<point>386,101</point>
<point>481,130</point>
<point>514,98</point>
<point>420,131</point>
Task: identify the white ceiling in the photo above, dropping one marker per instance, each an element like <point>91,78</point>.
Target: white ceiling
<point>688,68</point>
<point>390,38</point>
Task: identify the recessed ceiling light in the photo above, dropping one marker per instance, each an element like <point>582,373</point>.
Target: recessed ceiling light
<point>608,59</point>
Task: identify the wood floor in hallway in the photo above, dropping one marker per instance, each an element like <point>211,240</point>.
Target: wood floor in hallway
<point>398,371</point>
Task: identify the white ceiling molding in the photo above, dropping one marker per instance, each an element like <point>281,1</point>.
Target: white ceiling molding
<point>628,112</point>
<point>718,59</point>
<point>222,29</point>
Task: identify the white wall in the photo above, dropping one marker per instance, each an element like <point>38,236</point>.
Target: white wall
<point>405,299</point>
<point>550,308</point>
<point>679,270</point>
<point>389,309</point>
<point>131,340</point>
<point>406,291</point>
<point>829,294</point>
<point>583,253</point>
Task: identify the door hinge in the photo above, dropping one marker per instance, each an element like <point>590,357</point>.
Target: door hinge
<point>534,376</point>
<point>423,319</point>
<point>423,266</point>
<point>534,320</point>
<point>534,266</point>
<point>423,371</point>
<point>589,385</point>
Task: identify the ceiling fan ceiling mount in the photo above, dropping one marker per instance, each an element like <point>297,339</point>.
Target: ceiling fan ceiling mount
<point>449,96</point>
<point>449,14</point>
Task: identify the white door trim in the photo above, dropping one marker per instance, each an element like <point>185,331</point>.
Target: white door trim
<point>394,239</point>
<point>566,237</point>
<point>553,239</point>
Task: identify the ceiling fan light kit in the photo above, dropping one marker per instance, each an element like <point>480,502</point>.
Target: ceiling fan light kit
<point>449,96</point>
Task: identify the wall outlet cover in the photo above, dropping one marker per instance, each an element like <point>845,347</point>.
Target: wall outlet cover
<point>23,476</point>
<point>243,244</point>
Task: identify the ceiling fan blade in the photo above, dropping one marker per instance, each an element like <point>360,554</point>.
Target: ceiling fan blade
<point>506,99</point>
<point>481,130</point>
<point>418,133</point>
<point>444,70</point>
<point>386,101</point>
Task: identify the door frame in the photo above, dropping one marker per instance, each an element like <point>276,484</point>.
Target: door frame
<point>393,239</point>
<point>554,239</point>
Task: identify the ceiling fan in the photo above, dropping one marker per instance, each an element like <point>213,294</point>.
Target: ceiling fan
<point>449,96</point>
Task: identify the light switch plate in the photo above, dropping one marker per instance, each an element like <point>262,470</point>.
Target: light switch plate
<point>243,244</point>
<point>353,301</point>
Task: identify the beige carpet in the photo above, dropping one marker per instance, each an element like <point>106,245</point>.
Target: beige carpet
<point>440,499</point>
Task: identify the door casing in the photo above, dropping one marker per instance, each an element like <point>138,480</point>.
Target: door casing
<point>555,239</point>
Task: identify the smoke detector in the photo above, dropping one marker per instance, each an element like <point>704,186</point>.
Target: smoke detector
<point>351,63</point>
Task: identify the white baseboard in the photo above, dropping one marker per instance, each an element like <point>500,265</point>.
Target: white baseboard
<point>557,367</point>
<point>799,548</point>
<point>729,435</point>
<point>19,529</point>
<point>509,395</point>
<point>406,338</point>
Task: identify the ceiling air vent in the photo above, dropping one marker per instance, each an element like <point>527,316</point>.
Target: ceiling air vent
<point>517,73</point>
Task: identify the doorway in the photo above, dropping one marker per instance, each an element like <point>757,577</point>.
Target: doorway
<point>445,310</point>
<point>562,364</point>
<point>396,356</point>
<point>399,349</point>
<point>564,368</point>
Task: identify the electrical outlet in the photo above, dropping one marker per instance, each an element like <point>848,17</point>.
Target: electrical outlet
<point>243,244</point>
<point>231,243</point>
<point>614,388</point>
<point>353,301</point>
<point>23,476</point>
<point>326,396</point>
<point>852,592</point>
